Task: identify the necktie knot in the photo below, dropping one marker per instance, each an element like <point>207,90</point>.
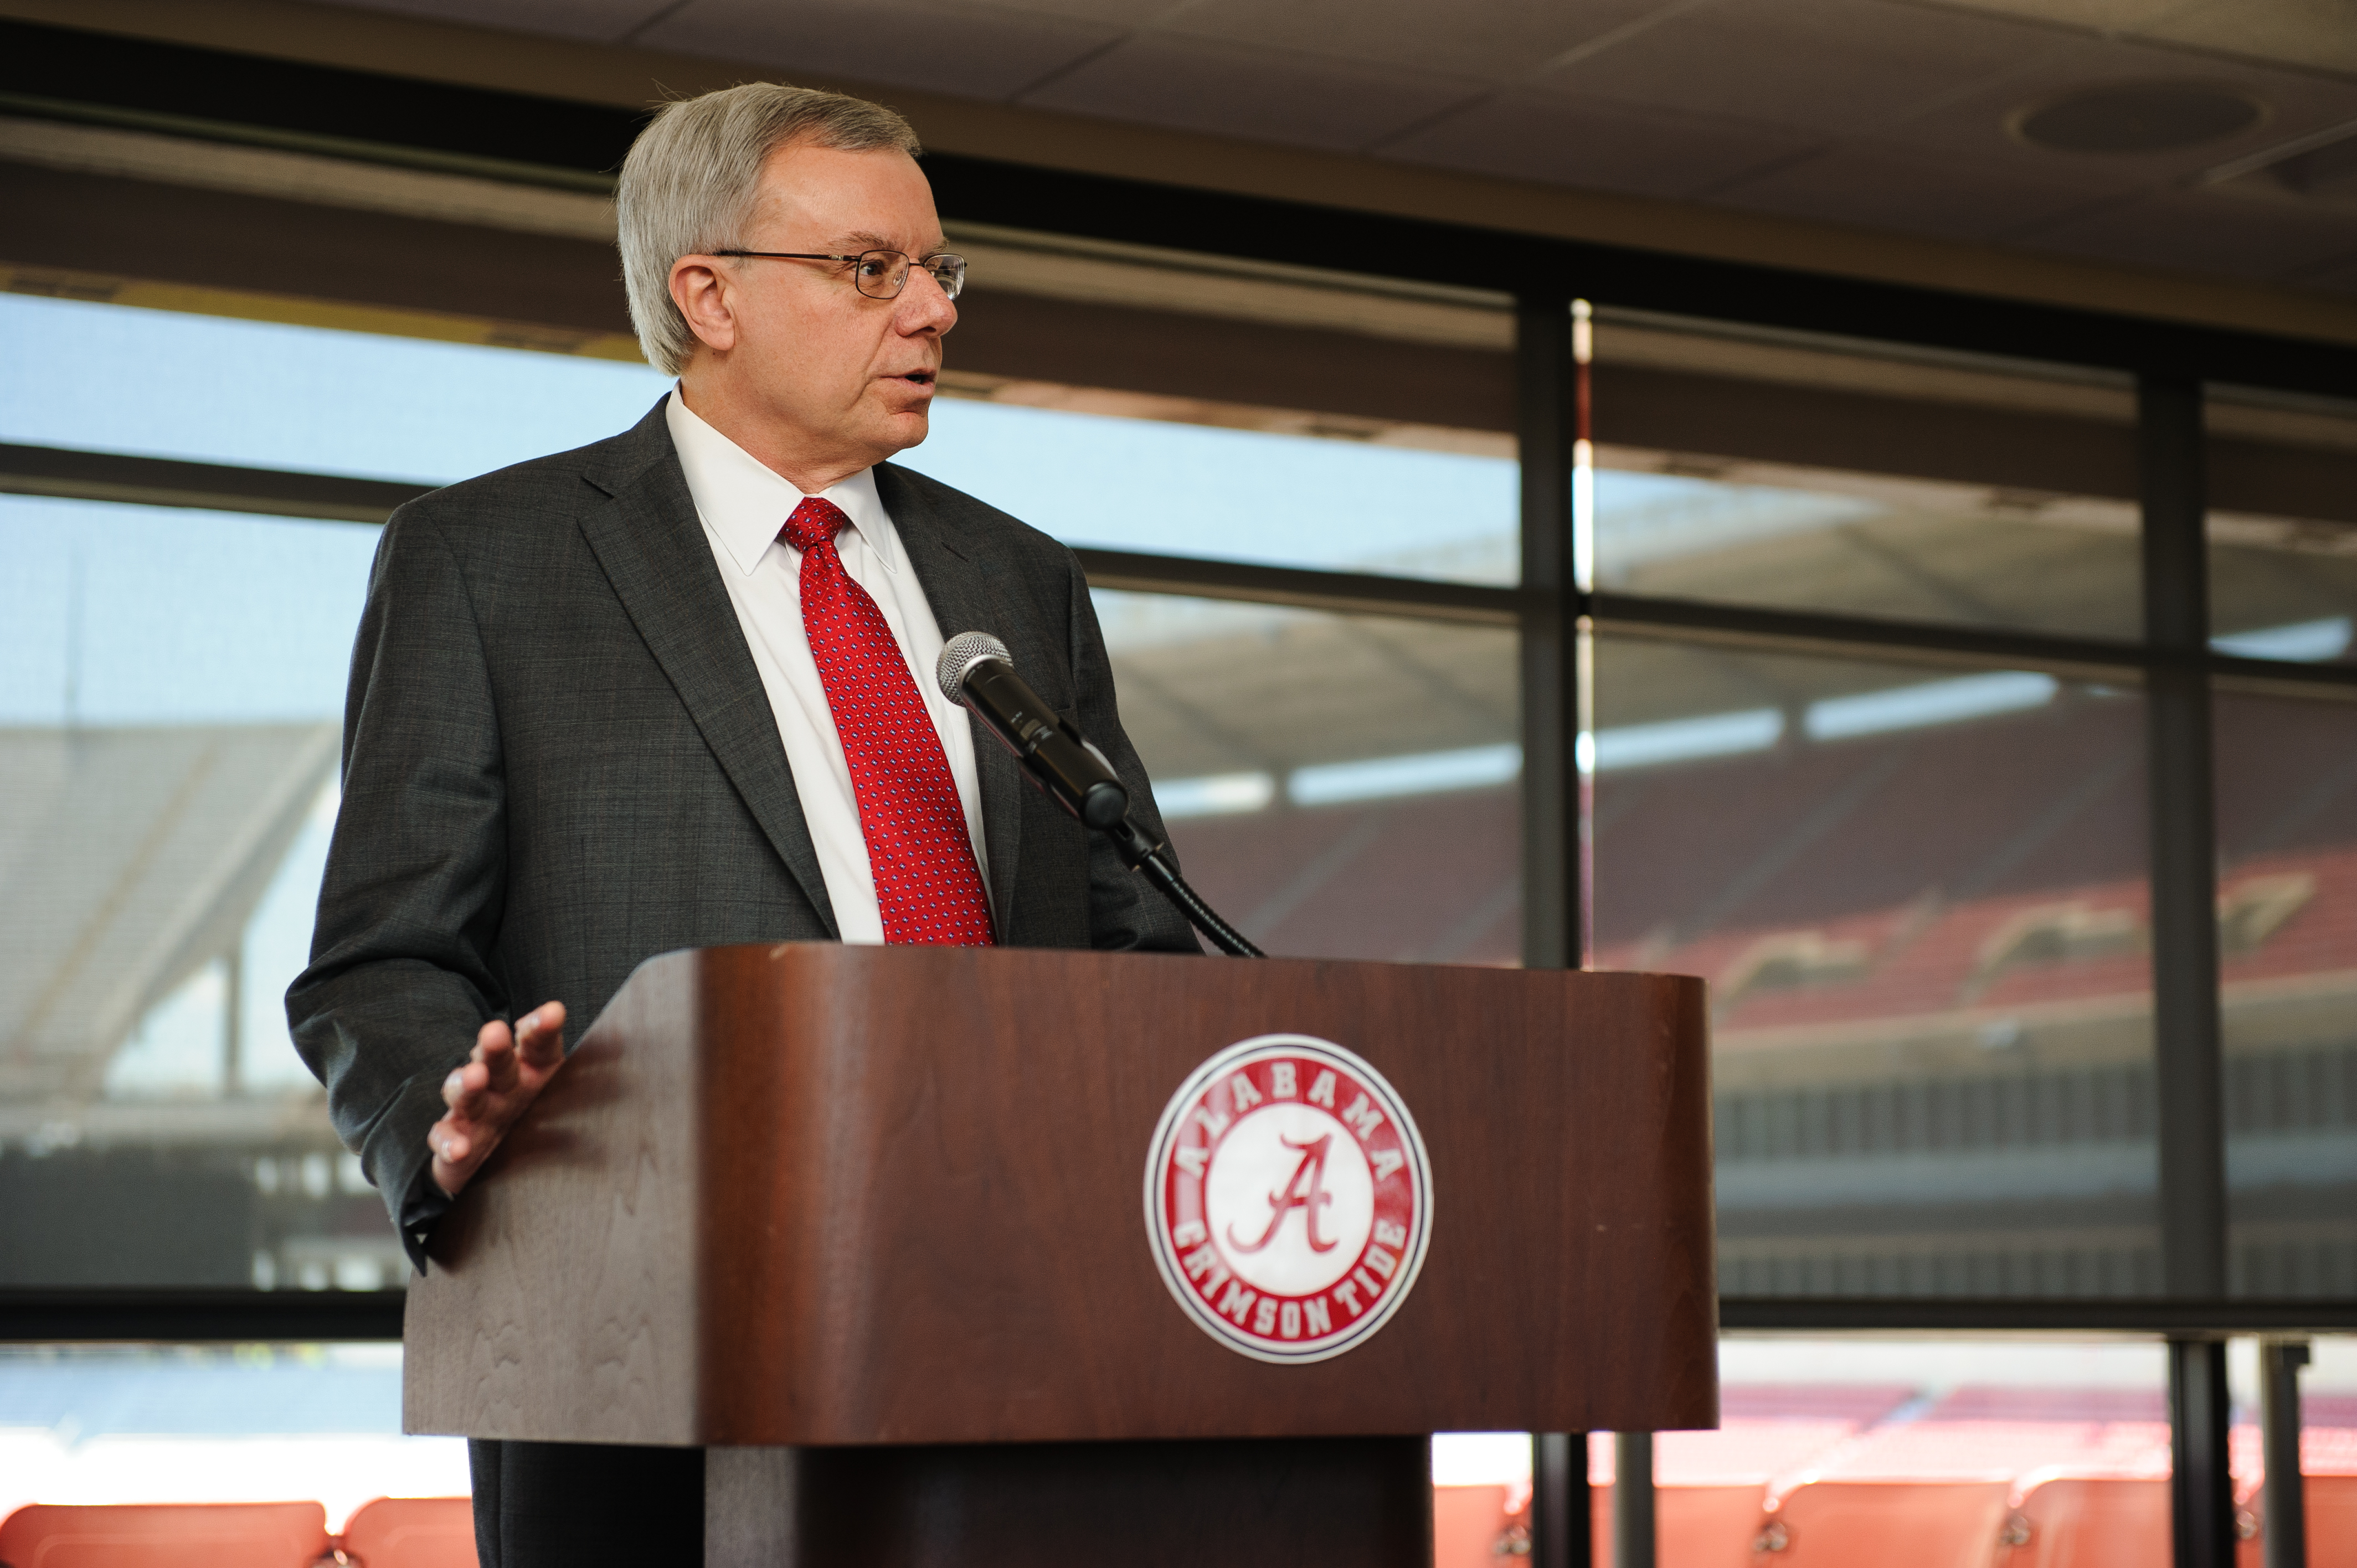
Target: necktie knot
<point>813,523</point>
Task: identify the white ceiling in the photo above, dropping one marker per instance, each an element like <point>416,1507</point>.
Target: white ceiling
<point>1881,114</point>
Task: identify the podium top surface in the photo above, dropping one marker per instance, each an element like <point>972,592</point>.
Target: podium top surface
<point>817,1194</point>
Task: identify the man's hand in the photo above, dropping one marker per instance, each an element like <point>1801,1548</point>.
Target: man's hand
<point>502,1076</point>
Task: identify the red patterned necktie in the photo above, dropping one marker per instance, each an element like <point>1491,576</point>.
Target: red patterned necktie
<point>927,885</point>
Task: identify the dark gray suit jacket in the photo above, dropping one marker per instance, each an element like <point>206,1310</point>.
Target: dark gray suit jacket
<point>559,761</point>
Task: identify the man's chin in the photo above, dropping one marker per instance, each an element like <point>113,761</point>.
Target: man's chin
<point>906,428</point>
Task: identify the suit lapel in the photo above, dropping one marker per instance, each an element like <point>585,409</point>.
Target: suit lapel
<point>964,598</point>
<point>654,553</point>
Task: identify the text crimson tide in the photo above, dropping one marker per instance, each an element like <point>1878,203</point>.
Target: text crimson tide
<point>1288,1198</point>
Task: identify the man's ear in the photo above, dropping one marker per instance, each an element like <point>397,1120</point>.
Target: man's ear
<point>705,294</point>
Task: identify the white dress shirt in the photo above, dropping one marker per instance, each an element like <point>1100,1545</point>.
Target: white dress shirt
<point>742,506</point>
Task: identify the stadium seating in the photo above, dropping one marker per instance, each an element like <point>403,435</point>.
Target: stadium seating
<point>1872,1524</point>
<point>2079,1522</point>
<point>166,1535</point>
<point>390,1533</point>
<point>411,1532</point>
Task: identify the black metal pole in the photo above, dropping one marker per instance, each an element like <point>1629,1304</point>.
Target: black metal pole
<point>2202,1484</point>
<point>1554,927</point>
<point>2285,1541</point>
<point>1632,1500</point>
<point>2186,1021</point>
<point>1561,1534</point>
<point>1546,387</point>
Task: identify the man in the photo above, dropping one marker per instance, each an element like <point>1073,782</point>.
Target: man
<point>674,690</point>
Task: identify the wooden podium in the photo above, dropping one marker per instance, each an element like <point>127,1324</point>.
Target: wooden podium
<point>866,1223</point>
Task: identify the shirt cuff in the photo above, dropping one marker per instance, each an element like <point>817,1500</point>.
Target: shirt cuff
<point>421,1205</point>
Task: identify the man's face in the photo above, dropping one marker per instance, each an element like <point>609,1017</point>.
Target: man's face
<point>838,377</point>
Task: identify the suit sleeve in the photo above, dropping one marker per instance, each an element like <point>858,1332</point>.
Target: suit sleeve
<point>1124,912</point>
<point>404,969</point>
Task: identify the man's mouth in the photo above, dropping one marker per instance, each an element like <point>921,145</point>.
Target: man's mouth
<point>917,377</point>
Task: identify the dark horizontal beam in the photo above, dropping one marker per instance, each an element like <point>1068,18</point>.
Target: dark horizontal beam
<point>213,487</point>
<point>1339,593</point>
<point>158,481</point>
<point>194,1317</point>
<point>1813,631</point>
<point>2033,1315</point>
<point>66,1316</point>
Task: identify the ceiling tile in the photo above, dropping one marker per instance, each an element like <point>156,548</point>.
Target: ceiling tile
<point>1823,64</point>
<point>604,20</point>
<point>934,48</point>
<point>2092,16</point>
<point>1872,188</point>
<point>1499,40</point>
<point>1261,94</point>
<point>2313,33</point>
<point>2247,237</point>
<point>1603,147</point>
<point>1976,125</point>
<point>2319,34</point>
<point>2337,276</point>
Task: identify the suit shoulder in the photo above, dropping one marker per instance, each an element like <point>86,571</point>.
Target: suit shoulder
<point>526,498</point>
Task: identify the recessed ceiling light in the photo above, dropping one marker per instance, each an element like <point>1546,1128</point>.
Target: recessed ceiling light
<point>2138,117</point>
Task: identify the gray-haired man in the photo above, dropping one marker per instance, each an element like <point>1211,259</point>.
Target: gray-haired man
<point>671,690</point>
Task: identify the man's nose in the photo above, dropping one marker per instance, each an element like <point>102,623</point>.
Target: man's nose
<point>923,304</point>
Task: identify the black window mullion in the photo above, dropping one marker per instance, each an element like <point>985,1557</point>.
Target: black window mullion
<point>2187,1029</point>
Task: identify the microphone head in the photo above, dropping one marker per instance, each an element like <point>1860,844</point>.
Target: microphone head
<point>961,654</point>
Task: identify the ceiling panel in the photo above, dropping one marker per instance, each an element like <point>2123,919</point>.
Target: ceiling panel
<point>1973,125</point>
<point>1601,147</point>
<point>906,43</point>
<point>2319,34</point>
<point>2337,276</point>
<point>1258,93</point>
<point>1500,40</point>
<point>606,21</point>
<point>2247,237</point>
<point>1823,65</point>
<point>2314,33</point>
<point>1954,201</point>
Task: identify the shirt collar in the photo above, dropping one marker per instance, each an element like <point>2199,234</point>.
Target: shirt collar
<point>745,503</point>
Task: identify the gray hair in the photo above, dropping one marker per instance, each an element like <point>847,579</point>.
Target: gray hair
<point>693,175</point>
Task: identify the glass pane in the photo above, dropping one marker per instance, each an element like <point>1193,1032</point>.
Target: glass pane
<point>1336,786</point>
<point>171,687</point>
<point>1268,493</point>
<point>190,1423</point>
<point>2283,526</point>
<point>260,394</point>
<point>2287,951</point>
<point>1179,403</point>
<point>1920,898</point>
<point>1776,473</point>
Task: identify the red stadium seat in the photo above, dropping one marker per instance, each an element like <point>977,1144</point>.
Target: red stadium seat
<point>1706,1527</point>
<point>165,1535</point>
<point>2332,1523</point>
<point>1872,1524</point>
<point>413,1532</point>
<point>1466,1525</point>
<point>2076,1522</point>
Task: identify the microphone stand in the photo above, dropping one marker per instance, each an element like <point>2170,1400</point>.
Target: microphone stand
<point>1143,855</point>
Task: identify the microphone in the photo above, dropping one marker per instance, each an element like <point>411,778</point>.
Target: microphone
<point>975,670</point>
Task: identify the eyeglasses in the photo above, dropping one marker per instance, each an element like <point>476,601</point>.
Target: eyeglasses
<point>879,274</point>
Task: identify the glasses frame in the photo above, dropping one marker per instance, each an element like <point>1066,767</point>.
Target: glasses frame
<point>951,289</point>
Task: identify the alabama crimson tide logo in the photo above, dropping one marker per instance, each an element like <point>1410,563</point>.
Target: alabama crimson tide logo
<point>1288,1198</point>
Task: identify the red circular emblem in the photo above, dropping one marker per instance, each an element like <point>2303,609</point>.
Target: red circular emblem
<point>1288,1198</point>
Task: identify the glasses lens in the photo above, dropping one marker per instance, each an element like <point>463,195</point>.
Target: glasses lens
<point>949,272</point>
<point>881,274</point>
